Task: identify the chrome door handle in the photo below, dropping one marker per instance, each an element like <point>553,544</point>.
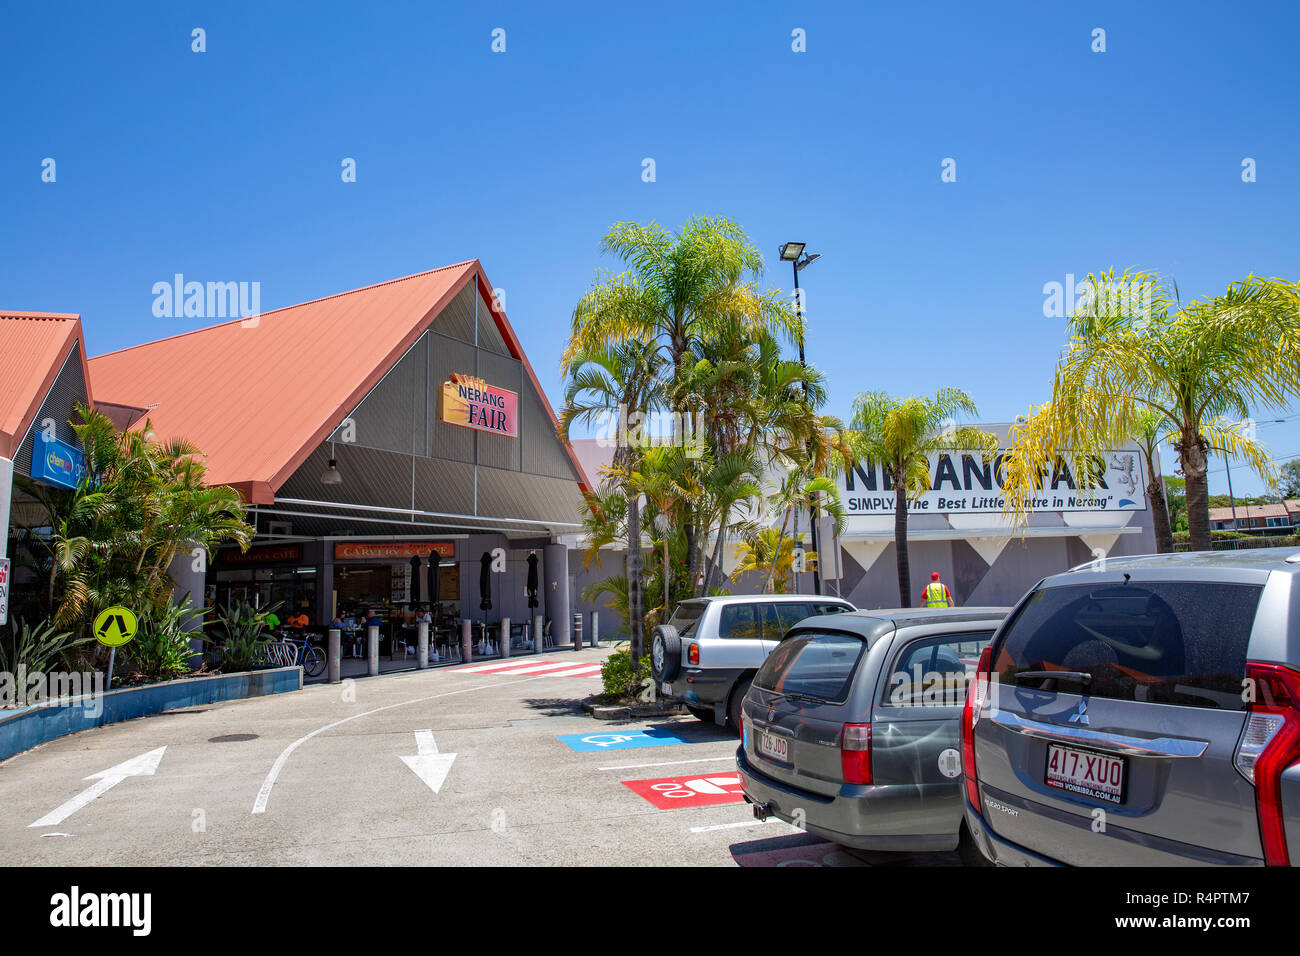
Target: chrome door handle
<point>1098,740</point>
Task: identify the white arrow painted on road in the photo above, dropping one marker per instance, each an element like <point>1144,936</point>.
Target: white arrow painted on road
<point>429,765</point>
<point>141,766</point>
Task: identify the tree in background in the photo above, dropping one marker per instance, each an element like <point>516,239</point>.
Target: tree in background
<point>1176,496</point>
<point>1133,348</point>
<point>899,434</point>
<point>769,553</point>
<point>1288,480</point>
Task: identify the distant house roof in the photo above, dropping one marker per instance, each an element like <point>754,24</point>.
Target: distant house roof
<point>258,396</point>
<point>1249,511</point>
<point>33,349</point>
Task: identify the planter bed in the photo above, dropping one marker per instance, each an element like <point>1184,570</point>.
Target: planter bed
<point>27,727</point>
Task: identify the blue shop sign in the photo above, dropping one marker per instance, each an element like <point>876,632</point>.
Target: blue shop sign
<point>56,462</point>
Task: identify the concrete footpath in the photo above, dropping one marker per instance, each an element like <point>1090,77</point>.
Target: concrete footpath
<point>487,764</point>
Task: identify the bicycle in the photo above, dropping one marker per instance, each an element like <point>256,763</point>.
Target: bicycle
<point>309,657</point>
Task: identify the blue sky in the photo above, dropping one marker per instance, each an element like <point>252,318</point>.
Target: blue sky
<point>225,165</point>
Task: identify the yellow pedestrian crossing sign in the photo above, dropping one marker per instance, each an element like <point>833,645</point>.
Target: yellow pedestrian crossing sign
<point>115,626</point>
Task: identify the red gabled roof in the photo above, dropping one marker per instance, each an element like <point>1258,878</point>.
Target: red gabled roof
<point>259,397</point>
<point>33,348</point>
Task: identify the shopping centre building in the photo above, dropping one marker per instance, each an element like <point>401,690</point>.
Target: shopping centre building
<point>382,431</point>
<point>366,431</point>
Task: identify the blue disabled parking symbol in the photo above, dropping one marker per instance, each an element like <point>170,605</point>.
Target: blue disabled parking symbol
<point>620,740</point>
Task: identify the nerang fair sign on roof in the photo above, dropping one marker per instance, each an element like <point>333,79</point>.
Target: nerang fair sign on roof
<point>963,482</point>
<point>472,403</point>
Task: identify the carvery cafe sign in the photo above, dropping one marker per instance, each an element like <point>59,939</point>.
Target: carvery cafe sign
<point>473,403</point>
<point>393,549</point>
<point>276,554</point>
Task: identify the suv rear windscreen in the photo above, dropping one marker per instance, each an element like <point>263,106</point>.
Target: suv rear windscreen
<point>1162,642</point>
<point>687,615</point>
<point>812,664</point>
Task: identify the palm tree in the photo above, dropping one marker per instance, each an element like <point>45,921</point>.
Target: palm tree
<point>620,380</point>
<point>663,475</point>
<point>1135,347</point>
<point>733,487</point>
<point>1152,428</point>
<point>900,434</point>
<point>141,501</point>
<point>768,551</point>
<point>682,289</point>
<point>801,488</point>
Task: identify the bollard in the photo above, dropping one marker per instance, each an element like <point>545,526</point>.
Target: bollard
<point>372,650</point>
<point>595,629</point>
<point>577,630</point>
<point>505,637</point>
<point>537,634</point>
<point>335,653</point>
<point>466,641</point>
<point>422,645</point>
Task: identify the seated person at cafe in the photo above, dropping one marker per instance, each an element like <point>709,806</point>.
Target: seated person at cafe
<point>299,621</point>
<point>372,620</point>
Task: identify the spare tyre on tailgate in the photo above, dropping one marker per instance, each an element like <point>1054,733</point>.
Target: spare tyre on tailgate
<point>665,653</point>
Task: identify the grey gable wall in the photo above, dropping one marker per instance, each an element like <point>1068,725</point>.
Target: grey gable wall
<point>530,476</point>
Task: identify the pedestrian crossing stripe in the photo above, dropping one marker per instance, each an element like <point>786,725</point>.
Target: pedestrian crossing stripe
<point>533,668</point>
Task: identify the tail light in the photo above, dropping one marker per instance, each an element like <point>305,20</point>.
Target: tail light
<point>855,753</point>
<point>1269,745</point>
<point>693,653</point>
<point>976,698</point>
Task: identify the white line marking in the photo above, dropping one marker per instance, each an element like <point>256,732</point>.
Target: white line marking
<point>141,766</point>
<point>424,743</point>
<point>264,795</point>
<point>669,763</point>
<point>735,826</point>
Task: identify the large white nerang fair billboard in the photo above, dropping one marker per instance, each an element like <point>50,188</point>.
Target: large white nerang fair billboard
<point>962,482</point>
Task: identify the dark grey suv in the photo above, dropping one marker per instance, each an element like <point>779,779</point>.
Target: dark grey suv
<point>851,727</point>
<point>1142,711</point>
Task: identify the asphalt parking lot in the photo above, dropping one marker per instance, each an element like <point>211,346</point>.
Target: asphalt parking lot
<point>443,767</point>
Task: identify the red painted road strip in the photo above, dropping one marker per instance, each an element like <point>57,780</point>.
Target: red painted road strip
<point>673,793</point>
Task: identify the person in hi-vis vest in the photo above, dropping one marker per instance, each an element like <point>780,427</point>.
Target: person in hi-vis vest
<point>936,593</point>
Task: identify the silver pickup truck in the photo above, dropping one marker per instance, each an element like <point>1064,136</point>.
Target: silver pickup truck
<point>707,654</point>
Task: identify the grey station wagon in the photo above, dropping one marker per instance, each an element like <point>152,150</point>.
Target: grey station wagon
<point>1142,711</point>
<point>851,727</point>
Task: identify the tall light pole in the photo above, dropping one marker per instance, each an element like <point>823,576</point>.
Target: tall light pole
<point>791,253</point>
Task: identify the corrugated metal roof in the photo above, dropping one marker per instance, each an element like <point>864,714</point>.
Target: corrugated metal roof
<point>1249,511</point>
<point>258,397</point>
<point>33,348</point>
